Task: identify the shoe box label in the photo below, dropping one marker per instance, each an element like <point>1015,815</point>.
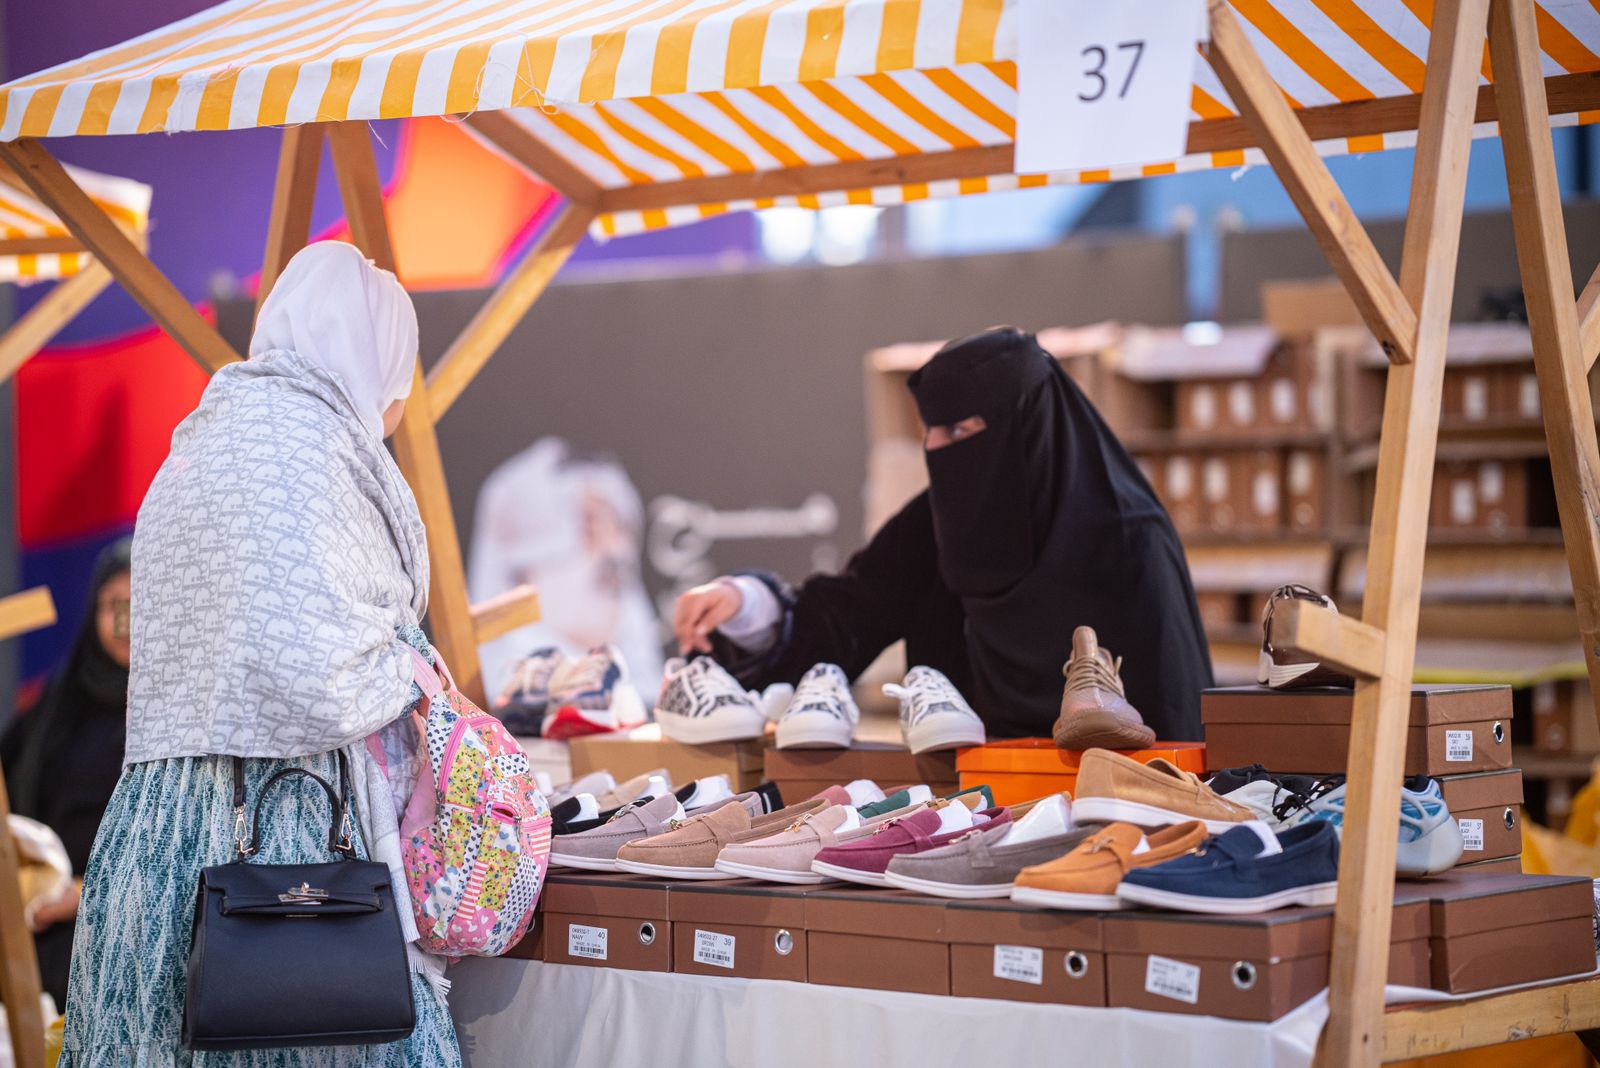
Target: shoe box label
<point>1458,745</point>
<point>1472,835</point>
<point>587,942</point>
<point>1173,979</point>
<point>1020,964</point>
<point>713,949</point>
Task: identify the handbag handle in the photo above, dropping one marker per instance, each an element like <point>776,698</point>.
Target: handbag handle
<point>340,831</point>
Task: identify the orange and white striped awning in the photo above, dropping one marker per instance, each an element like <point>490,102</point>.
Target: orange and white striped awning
<point>26,222</point>
<point>638,93</point>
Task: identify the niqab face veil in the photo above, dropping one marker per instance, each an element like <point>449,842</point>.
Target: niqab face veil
<point>1042,522</point>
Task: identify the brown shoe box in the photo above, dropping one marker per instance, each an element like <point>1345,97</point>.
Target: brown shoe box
<point>877,939</point>
<point>1256,482</point>
<point>607,921</point>
<point>1305,494</point>
<point>1255,967</point>
<point>1493,929</point>
<point>741,928</point>
<point>1487,805</point>
<point>803,773</point>
<point>1017,953</point>
<point>1499,864</point>
<point>629,753</point>
<point>1452,729</point>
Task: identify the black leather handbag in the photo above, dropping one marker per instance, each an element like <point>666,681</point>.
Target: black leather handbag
<point>296,954</point>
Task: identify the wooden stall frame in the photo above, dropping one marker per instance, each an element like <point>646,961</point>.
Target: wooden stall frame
<point>1408,315</point>
<point>20,613</point>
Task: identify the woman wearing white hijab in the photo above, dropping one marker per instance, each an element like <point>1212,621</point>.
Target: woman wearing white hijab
<point>279,575</point>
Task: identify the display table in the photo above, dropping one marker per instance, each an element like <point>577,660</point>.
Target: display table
<point>529,1012</point>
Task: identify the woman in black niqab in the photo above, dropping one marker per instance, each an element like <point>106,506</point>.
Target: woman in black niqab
<point>1035,522</point>
<point>63,757</point>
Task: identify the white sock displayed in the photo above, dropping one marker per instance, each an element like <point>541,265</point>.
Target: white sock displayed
<point>655,788</point>
<point>709,791</point>
<point>588,807</point>
<point>920,795</point>
<point>954,817</point>
<point>1142,847</point>
<point>1049,817</point>
<point>852,821</point>
<point>541,779</point>
<point>1270,846</point>
<point>863,792</point>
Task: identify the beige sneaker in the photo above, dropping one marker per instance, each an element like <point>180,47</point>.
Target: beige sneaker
<point>1094,711</point>
<point>1114,789</point>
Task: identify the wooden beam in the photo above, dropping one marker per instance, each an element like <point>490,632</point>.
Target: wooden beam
<point>416,445</point>
<point>1559,360</point>
<point>27,611</point>
<point>39,246</point>
<point>1568,93</point>
<point>1589,319</point>
<point>525,148</point>
<point>45,319</point>
<point>1428,1030</point>
<point>145,283</point>
<point>19,966</point>
<point>1306,179</point>
<point>1337,641</point>
<point>504,309</point>
<point>501,615</point>
<point>289,227</point>
<point>1354,1034</point>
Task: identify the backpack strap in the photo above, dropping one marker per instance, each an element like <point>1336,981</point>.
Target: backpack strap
<point>425,675</point>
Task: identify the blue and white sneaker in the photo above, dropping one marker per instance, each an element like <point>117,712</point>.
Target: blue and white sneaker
<point>821,714</point>
<point>525,698</point>
<point>933,714</point>
<point>1430,838</point>
<point>1248,869</point>
<point>592,695</point>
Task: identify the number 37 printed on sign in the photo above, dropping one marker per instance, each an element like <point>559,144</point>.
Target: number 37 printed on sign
<point>1104,83</point>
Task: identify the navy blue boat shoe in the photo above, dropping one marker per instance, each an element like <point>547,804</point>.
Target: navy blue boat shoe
<point>1239,872</point>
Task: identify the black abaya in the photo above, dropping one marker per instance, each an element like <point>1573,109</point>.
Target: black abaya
<point>1036,525</point>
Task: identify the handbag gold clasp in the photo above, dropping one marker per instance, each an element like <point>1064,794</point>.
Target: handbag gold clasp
<point>303,894</point>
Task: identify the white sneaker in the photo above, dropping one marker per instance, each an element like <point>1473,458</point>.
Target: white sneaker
<point>933,714</point>
<point>822,714</point>
<point>701,703</point>
<point>591,695</point>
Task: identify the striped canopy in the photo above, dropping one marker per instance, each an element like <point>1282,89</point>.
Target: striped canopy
<point>641,94</point>
<point>28,223</point>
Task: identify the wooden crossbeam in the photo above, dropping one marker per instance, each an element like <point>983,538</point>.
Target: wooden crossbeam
<point>504,309</point>
<point>27,611</point>
<point>99,234</point>
<point>1337,641</point>
<point>289,226</point>
<point>501,615</point>
<point>45,319</point>
<point>1559,360</point>
<point>39,246</point>
<point>1428,1030</point>
<point>1589,319</point>
<point>1305,178</point>
<point>416,445</point>
<point>525,148</point>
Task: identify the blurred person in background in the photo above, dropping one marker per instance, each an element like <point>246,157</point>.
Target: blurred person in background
<point>63,756</point>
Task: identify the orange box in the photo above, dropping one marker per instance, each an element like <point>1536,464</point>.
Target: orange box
<point>1022,769</point>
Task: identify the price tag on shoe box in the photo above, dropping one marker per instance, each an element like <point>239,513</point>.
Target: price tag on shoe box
<point>1104,84</point>
<point>1020,964</point>
<point>1173,979</point>
<point>1458,745</point>
<point>587,942</point>
<point>713,949</point>
<point>1472,835</point>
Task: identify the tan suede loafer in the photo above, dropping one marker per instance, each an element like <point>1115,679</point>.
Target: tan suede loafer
<point>1087,877</point>
<point>689,850</point>
<point>1115,789</point>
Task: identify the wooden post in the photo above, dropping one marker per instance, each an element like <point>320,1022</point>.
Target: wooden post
<point>27,611</point>
<point>504,309</point>
<point>122,257</point>
<point>1559,360</point>
<point>416,445</point>
<point>45,319</point>
<point>1354,1033</point>
<point>289,228</point>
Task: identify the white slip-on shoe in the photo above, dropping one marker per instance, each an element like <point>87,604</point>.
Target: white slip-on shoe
<point>933,714</point>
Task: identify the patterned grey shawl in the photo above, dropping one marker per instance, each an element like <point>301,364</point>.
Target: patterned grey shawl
<point>275,555</point>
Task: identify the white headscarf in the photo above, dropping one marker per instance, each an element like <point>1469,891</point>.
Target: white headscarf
<point>339,311</point>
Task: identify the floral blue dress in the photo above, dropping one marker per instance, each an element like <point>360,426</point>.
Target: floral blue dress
<point>167,820</point>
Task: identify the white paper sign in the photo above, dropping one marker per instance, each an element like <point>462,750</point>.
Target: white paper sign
<point>1472,835</point>
<point>587,942</point>
<point>1020,964</point>
<point>713,948</point>
<point>1458,745</point>
<point>1173,979</point>
<point>1104,84</point>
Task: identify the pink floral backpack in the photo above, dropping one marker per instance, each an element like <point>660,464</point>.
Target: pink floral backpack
<point>475,838</point>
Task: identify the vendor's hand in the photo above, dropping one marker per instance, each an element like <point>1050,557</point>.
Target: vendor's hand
<point>701,611</point>
<point>62,908</point>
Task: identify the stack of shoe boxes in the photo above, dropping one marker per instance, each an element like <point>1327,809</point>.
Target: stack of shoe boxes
<point>1460,932</point>
<point>628,753</point>
<point>1459,735</point>
<point>803,773</point>
<point>1021,769</point>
